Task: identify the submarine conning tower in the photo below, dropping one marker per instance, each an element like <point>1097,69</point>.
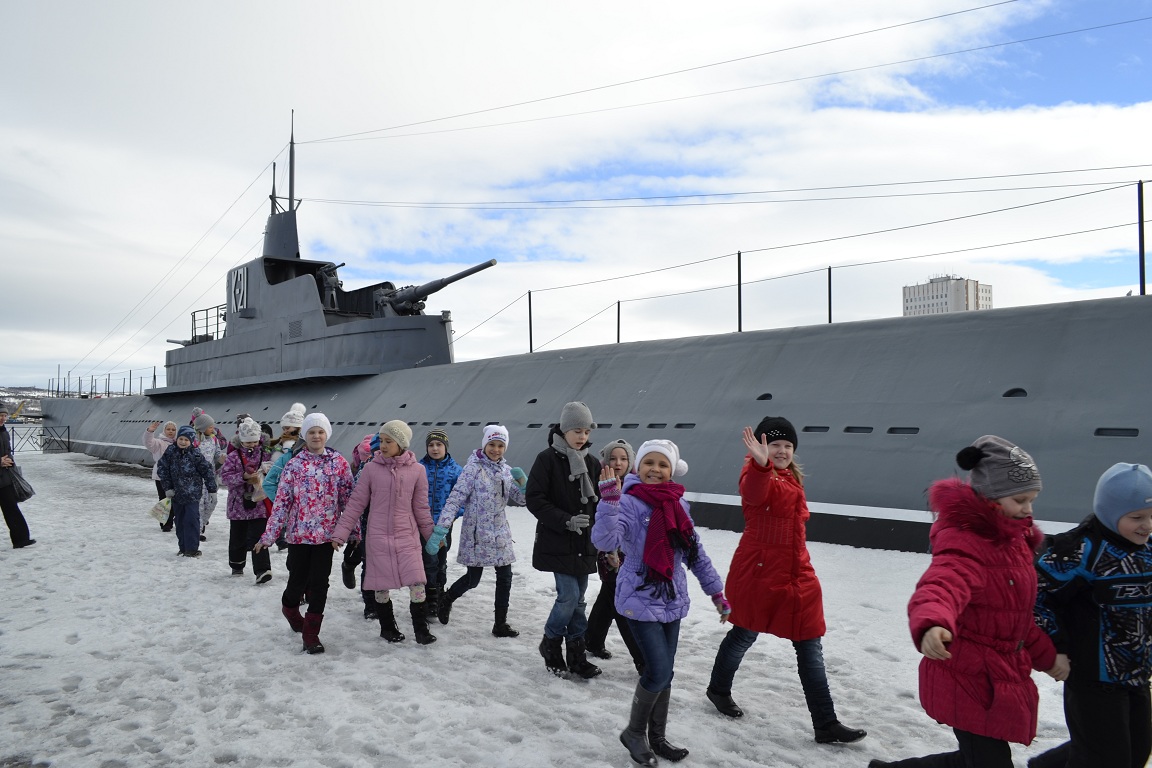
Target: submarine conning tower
<point>289,320</point>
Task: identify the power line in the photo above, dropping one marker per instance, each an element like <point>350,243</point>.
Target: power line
<point>652,77</point>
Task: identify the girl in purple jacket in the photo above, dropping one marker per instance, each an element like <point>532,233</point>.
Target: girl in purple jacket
<point>393,488</point>
<point>649,522</point>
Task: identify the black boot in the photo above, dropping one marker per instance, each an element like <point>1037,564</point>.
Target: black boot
<point>420,624</point>
<point>369,598</point>
<point>388,629</point>
<point>836,733</point>
<point>500,627</point>
<point>431,603</point>
<point>553,656</point>
<point>578,660</point>
<point>444,612</point>
<point>723,703</point>
<point>635,736</point>
<point>1053,758</point>
<point>656,725</point>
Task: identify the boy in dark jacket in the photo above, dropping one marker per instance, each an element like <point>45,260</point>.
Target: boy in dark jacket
<point>562,495</point>
<point>185,473</point>
<point>1095,600</point>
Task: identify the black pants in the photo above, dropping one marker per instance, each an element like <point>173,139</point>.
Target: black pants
<point>242,536</point>
<point>975,752</point>
<point>604,613</point>
<point>13,517</point>
<point>470,579</point>
<point>309,566</point>
<point>1109,725</point>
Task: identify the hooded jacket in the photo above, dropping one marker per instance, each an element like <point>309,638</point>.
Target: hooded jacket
<point>442,476</point>
<point>394,491</point>
<point>553,498</point>
<point>239,461</point>
<point>482,492</point>
<point>981,587</point>
<point>156,442</point>
<point>187,472</point>
<point>313,488</point>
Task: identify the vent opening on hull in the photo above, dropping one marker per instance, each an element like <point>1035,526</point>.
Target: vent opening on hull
<point>858,430</point>
<point>629,426</point>
<point>473,423</point>
<point>814,429</point>
<point>903,430</point>
<point>533,400</point>
<point>658,426</point>
<point>603,426</point>
<point>686,425</point>
<point>534,426</point>
<point>1116,432</point>
<point>1016,392</point>
<point>765,396</point>
<point>404,405</point>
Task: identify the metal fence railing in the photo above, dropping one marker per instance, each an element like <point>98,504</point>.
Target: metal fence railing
<point>40,439</point>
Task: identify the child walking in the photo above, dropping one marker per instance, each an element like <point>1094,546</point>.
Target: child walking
<point>485,488</point>
<point>648,519</point>
<point>561,495</point>
<point>186,475</point>
<point>392,489</point>
<point>313,488</point>
<point>771,582</point>
<point>208,444</point>
<point>620,456</point>
<point>1095,602</point>
<point>247,515</point>
<point>156,445</point>
<point>971,613</point>
<point>443,472</point>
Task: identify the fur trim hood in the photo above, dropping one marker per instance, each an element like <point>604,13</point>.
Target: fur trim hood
<point>957,505</point>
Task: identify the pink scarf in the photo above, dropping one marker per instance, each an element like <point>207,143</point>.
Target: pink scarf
<point>669,528</point>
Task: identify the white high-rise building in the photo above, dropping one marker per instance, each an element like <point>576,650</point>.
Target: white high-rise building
<point>946,293</point>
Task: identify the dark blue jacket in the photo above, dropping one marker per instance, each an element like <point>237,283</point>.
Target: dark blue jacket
<point>442,476</point>
<point>187,472</point>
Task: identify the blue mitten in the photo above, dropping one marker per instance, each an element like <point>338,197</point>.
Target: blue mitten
<point>436,539</point>
<point>519,476</point>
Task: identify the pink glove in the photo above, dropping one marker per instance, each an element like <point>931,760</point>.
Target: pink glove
<point>723,607</point>
<point>609,491</point>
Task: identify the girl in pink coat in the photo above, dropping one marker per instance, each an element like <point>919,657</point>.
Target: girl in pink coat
<point>971,613</point>
<point>393,487</point>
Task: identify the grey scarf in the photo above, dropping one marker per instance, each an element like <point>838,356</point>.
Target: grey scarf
<point>576,467</point>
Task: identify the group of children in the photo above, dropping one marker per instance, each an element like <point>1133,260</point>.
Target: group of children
<point>984,614</point>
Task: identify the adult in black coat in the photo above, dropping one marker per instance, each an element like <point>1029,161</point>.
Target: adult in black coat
<point>17,526</point>
<point>561,494</point>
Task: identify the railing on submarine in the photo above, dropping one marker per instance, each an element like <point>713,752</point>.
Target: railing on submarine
<point>410,299</point>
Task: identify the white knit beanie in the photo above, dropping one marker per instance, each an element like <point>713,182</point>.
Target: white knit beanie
<point>249,431</point>
<point>294,417</point>
<point>316,419</point>
<point>495,432</point>
<point>669,450</point>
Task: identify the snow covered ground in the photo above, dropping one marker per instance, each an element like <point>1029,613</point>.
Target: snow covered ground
<point>115,652</point>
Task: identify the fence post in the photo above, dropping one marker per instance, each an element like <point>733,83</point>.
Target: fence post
<point>829,294</point>
<point>1140,228</point>
<point>529,322</point>
<point>739,292</point>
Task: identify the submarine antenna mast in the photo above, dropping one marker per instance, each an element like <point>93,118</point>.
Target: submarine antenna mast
<point>292,164</point>
<point>272,197</point>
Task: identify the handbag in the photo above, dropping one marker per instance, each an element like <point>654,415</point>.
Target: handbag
<point>161,509</point>
<point>20,485</point>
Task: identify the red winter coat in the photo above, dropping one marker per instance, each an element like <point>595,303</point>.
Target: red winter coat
<point>981,587</point>
<point>771,583</point>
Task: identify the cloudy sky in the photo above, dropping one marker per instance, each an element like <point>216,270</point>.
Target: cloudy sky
<point>572,142</point>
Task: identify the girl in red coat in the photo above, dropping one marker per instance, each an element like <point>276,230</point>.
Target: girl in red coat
<point>771,583</point>
<point>971,613</point>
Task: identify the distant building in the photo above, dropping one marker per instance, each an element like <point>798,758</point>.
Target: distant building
<point>946,293</point>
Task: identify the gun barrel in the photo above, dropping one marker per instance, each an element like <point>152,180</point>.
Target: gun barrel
<point>421,292</point>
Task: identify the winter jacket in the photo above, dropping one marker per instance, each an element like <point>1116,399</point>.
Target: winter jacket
<point>394,491</point>
<point>279,461</point>
<point>5,450</point>
<point>442,476</point>
<point>981,587</point>
<point>772,585</point>
<point>623,525</point>
<point>185,471</point>
<point>243,460</point>
<point>1095,602</point>
<point>313,489</point>
<point>156,443</point>
<point>553,498</point>
<point>213,452</point>
<point>481,494</point>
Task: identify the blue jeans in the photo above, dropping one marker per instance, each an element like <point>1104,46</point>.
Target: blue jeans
<point>657,641</point>
<point>567,618</point>
<point>809,663</point>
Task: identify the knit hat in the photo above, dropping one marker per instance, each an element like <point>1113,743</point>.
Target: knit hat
<point>249,431</point>
<point>3,407</point>
<point>495,432</point>
<point>203,422</point>
<point>576,416</point>
<point>1122,489</point>
<point>316,419</point>
<point>606,451</point>
<point>668,449</point>
<point>999,468</point>
<point>777,428</point>
<point>294,417</point>
<point>437,434</point>
<point>186,431</point>
<point>398,431</point>
<point>172,423</point>
<point>196,412</point>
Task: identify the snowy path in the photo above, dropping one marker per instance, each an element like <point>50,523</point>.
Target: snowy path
<point>117,653</point>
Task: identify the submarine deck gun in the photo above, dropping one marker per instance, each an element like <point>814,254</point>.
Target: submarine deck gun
<point>389,301</point>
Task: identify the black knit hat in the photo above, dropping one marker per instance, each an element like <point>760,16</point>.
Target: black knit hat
<point>437,434</point>
<point>777,428</point>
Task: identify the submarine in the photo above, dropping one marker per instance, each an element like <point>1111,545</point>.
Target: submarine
<point>880,406</point>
